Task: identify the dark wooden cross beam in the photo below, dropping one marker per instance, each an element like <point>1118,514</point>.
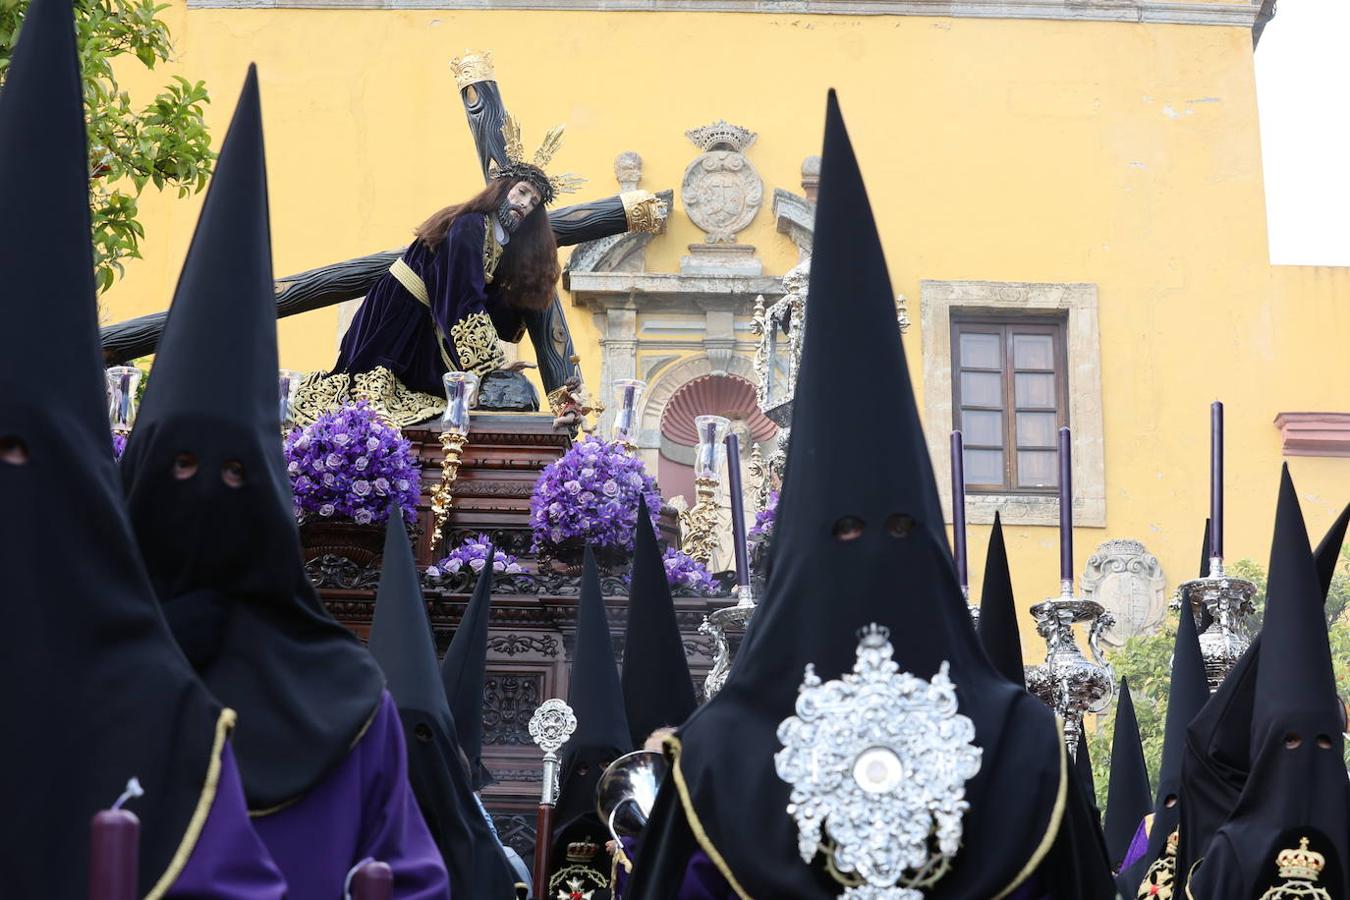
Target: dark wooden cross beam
<point>352,279</point>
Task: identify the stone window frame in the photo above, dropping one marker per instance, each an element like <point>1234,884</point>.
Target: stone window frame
<point>1079,303</point>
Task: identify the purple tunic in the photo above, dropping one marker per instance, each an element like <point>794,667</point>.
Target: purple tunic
<point>394,330</point>
<point>363,809</point>
<point>1138,845</point>
<point>229,861</point>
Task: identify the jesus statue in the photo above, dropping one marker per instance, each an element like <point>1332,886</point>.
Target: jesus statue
<point>471,274</point>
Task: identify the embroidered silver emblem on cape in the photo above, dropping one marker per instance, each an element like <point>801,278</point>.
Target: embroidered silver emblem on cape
<point>878,762</point>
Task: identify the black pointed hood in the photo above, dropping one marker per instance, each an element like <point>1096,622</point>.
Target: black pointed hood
<point>206,485</point>
<point>402,642</point>
<point>860,539</point>
<point>464,671</point>
<point>602,733</point>
<point>1127,797</point>
<point>1217,759</point>
<point>95,690</point>
<point>1187,693</point>
<point>1298,786</point>
<point>657,688</point>
<point>998,611</point>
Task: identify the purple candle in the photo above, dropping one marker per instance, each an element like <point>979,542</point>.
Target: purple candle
<point>373,881</point>
<point>114,847</point>
<point>1065,509</point>
<point>959,510</point>
<point>1216,480</point>
<point>737,510</point>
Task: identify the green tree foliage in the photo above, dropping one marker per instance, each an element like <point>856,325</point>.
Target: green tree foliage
<point>164,143</point>
<point>1147,662</point>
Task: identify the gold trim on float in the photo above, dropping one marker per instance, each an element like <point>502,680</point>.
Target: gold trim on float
<point>1056,817</point>
<point>224,725</point>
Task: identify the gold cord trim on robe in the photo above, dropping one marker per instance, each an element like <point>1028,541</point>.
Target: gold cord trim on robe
<point>413,284</point>
<point>224,724</point>
<point>1190,876</point>
<point>393,401</point>
<point>1056,817</point>
<point>673,745</point>
<point>284,804</point>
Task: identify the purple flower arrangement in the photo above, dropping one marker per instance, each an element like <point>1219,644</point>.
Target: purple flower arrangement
<point>119,442</point>
<point>472,554</point>
<point>764,518</point>
<point>682,570</point>
<point>351,464</point>
<point>590,496</point>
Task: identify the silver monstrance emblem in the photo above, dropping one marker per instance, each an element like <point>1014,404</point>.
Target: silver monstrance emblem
<point>878,762</point>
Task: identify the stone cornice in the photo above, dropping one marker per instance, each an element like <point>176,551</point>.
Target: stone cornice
<point>1235,14</point>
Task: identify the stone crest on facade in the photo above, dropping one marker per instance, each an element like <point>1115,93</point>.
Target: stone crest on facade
<point>721,190</point>
<point>1126,579</point>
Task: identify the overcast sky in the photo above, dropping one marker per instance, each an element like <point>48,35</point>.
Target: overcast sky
<point>1303,88</point>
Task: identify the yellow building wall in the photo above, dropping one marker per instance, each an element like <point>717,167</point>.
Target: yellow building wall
<point>1119,154</point>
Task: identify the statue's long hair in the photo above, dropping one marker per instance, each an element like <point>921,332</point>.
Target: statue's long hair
<point>527,274</point>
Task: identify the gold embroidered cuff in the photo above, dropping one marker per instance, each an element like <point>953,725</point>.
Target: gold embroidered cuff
<point>644,210</point>
<point>475,341</point>
<point>471,68</point>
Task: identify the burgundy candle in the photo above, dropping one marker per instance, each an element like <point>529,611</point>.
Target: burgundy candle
<point>373,881</point>
<point>959,510</point>
<point>1216,480</point>
<point>114,842</point>
<point>1065,509</point>
<point>737,510</point>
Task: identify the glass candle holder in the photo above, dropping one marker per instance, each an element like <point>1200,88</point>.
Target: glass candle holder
<point>711,453</point>
<point>461,391</point>
<point>628,390</point>
<point>123,382</point>
<point>288,385</point>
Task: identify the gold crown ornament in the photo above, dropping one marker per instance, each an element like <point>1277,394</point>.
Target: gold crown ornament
<point>472,68</point>
<point>582,851</point>
<point>1299,868</point>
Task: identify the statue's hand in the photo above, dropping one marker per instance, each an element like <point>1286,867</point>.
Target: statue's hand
<point>520,365</point>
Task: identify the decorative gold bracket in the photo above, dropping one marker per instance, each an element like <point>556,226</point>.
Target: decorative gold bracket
<point>453,445</point>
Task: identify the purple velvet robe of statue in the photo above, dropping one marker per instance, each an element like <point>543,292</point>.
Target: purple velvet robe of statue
<point>394,330</point>
<point>363,809</point>
<point>1138,845</point>
<point>229,861</point>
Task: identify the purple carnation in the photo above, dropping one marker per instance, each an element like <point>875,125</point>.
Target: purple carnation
<point>590,495</point>
<point>119,442</point>
<point>765,517</point>
<point>349,465</point>
<point>682,570</point>
<point>473,554</point>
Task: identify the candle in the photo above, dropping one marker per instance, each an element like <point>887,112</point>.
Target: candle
<point>373,881</point>
<point>959,510</point>
<point>114,840</point>
<point>737,510</point>
<point>1216,480</point>
<point>1065,511</point>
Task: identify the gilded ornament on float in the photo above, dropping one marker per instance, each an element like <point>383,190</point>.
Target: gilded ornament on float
<point>644,211</point>
<point>460,392</point>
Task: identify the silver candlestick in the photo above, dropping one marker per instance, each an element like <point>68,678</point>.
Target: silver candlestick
<point>1068,682</point>
<point>715,625</point>
<point>1229,601</point>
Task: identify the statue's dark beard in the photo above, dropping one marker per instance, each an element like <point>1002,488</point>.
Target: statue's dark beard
<point>507,216</point>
